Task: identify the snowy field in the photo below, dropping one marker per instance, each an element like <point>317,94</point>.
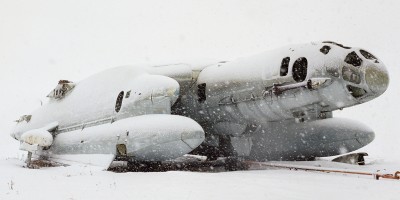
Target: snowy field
<point>42,42</point>
<point>85,182</point>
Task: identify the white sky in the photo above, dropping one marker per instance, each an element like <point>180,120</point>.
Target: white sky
<point>42,42</point>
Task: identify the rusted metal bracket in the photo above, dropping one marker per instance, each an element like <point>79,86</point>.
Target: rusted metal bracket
<point>311,84</point>
<point>395,176</point>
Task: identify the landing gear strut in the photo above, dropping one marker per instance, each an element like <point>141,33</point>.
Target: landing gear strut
<point>28,159</point>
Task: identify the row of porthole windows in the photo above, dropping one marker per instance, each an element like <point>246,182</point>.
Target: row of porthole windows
<point>120,97</point>
<point>299,72</point>
<point>299,69</point>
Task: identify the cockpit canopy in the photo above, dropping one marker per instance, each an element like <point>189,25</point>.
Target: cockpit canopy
<point>26,118</point>
<point>61,90</point>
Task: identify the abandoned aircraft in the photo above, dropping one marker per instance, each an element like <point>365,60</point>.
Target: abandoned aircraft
<point>276,105</point>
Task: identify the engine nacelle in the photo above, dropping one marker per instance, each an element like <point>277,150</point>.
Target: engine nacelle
<point>302,141</point>
<point>38,137</point>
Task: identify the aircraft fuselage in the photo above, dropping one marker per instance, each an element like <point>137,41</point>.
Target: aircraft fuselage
<point>276,105</point>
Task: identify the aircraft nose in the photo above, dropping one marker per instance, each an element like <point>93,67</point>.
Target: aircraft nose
<point>377,79</point>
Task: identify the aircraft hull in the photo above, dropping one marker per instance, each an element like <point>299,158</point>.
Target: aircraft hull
<point>146,138</point>
<point>304,141</point>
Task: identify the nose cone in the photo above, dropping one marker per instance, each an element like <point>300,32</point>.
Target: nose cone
<point>377,79</point>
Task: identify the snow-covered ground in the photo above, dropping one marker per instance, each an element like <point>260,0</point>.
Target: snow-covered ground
<point>45,41</point>
<point>86,182</point>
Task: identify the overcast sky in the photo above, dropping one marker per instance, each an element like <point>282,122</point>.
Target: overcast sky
<point>42,42</point>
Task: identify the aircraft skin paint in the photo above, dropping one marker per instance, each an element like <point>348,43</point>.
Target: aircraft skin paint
<point>294,125</point>
<point>264,115</point>
<point>87,121</point>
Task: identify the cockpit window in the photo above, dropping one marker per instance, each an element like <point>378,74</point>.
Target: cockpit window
<point>337,44</point>
<point>334,71</point>
<point>299,70</point>
<point>325,49</point>
<point>353,59</point>
<point>356,92</point>
<point>367,55</point>
<point>26,118</point>
<point>285,66</point>
<point>61,90</point>
<point>351,75</point>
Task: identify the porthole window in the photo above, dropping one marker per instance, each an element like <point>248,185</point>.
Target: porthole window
<point>367,55</point>
<point>299,70</point>
<point>353,59</point>
<point>325,49</point>
<point>128,94</point>
<point>351,75</point>
<point>285,66</point>
<point>356,92</point>
<point>118,103</point>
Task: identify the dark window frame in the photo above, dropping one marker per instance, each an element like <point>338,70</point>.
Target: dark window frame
<point>353,59</point>
<point>128,94</point>
<point>368,55</point>
<point>118,102</point>
<point>201,92</point>
<point>325,49</point>
<point>351,74</point>
<point>299,69</point>
<point>356,92</point>
<point>284,66</point>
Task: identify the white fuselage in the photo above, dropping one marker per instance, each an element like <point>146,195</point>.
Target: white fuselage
<point>266,105</point>
<point>87,120</point>
<point>274,105</point>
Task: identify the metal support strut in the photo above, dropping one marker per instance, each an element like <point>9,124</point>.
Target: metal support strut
<point>395,176</point>
<point>28,159</point>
